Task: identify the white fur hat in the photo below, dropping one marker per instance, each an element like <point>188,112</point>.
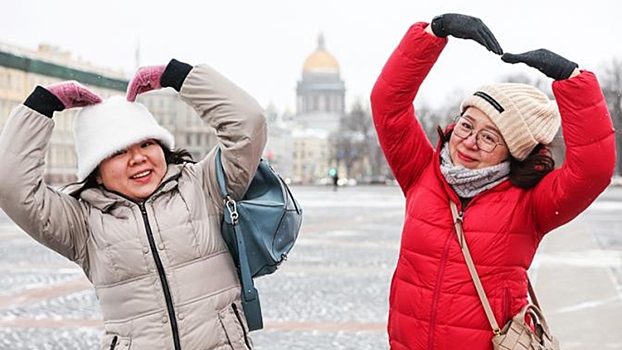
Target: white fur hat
<point>102,129</point>
<point>524,115</point>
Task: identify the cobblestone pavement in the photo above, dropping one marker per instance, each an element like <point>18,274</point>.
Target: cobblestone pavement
<point>331,293</point>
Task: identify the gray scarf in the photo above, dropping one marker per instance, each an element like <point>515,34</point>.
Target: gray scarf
<point>469,182</point>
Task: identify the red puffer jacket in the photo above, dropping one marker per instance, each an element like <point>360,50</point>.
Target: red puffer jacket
<point>433,302</point>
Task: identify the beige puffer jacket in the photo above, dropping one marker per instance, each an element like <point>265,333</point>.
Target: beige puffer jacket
<point>161,270</point>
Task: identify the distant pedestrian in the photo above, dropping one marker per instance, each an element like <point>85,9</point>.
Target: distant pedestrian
<point>493,162</point>
<point>335,179</point>
<point>144,220</point>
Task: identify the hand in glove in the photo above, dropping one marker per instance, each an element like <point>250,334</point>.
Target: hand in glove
<point>146,79</point>
<point>465,27</point>
<point>73,94</point>
<point>551,64</point>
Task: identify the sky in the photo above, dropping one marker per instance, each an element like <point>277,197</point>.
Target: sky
<point>262,45</point>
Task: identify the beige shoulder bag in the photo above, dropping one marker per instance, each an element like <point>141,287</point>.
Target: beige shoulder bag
<point>517,334</point>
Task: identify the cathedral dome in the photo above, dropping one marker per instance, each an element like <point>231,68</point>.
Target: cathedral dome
<point>320,59</point>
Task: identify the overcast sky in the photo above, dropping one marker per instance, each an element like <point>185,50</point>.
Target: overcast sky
<point>261,45</point>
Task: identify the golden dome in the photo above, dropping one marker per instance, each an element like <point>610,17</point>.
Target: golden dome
<point>320,59</point>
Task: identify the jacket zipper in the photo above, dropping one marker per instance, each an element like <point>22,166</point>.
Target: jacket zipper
<point>437,291</point>
<point>113,344</point>
<point>165,287</point>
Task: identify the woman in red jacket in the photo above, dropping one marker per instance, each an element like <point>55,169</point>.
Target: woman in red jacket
<point>494,164</point>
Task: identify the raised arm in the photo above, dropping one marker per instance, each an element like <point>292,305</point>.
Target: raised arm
<point>403,141</point>
<point>52,218</point>
<point>588,135</point>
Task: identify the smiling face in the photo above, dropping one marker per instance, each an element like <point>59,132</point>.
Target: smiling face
<point>465,152</point>
<point>134,172</point>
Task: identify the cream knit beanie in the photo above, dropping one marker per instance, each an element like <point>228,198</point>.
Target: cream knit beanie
<point>102,129</point>
<point>523,114</point>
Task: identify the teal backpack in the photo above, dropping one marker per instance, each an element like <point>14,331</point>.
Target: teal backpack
<point>260,230</point>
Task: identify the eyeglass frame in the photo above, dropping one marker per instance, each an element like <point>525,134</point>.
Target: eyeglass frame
<point>477,135</point>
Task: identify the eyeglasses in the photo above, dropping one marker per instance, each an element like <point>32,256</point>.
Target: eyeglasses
<point>486,140</point>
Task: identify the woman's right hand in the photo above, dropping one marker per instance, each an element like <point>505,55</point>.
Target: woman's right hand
<point>73,94</point>
<point>465,27</point>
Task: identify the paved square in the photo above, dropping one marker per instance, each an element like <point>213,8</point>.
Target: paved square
<point>332,293</point>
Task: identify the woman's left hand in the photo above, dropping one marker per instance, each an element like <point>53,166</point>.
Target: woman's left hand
<point>146,79</point>
<point>548,62</point>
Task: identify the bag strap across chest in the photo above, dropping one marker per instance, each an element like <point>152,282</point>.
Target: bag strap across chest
<point>475,276</point>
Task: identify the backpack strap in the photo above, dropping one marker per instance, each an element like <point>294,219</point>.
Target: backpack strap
<point>250,296</point>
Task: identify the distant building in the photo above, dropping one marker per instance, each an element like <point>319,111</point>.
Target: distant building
<point>311,155</point>
<point>320,94</point>
<point>320,105</point>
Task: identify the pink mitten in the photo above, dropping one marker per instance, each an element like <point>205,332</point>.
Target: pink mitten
<point>73,94</point>
<point>146,79</point>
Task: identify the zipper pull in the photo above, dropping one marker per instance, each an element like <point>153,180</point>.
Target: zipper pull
<point>113,344</point>
<point>459,222</point>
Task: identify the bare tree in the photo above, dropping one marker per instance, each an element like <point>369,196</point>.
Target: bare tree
<point>612,89</point>
<point>431,118</point>
<point>355,144</point>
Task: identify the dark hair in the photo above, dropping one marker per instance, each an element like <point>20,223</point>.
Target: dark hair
<point>524,174</point>
<point>176,156</point>
<point>528,172</point>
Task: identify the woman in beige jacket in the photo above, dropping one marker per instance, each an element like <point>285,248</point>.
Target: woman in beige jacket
<point>144,222</point>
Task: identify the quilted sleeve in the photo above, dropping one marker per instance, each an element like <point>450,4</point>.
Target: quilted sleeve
<point>403,141</point>
<point>51,217</point>
<point>590,153</point>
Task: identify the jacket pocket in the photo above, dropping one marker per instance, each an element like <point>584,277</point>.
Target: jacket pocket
<point>115,342</point>
<point>233,322</point>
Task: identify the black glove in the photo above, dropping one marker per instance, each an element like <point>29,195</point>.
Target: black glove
<point>465,27</point>
<point>551,64</point>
